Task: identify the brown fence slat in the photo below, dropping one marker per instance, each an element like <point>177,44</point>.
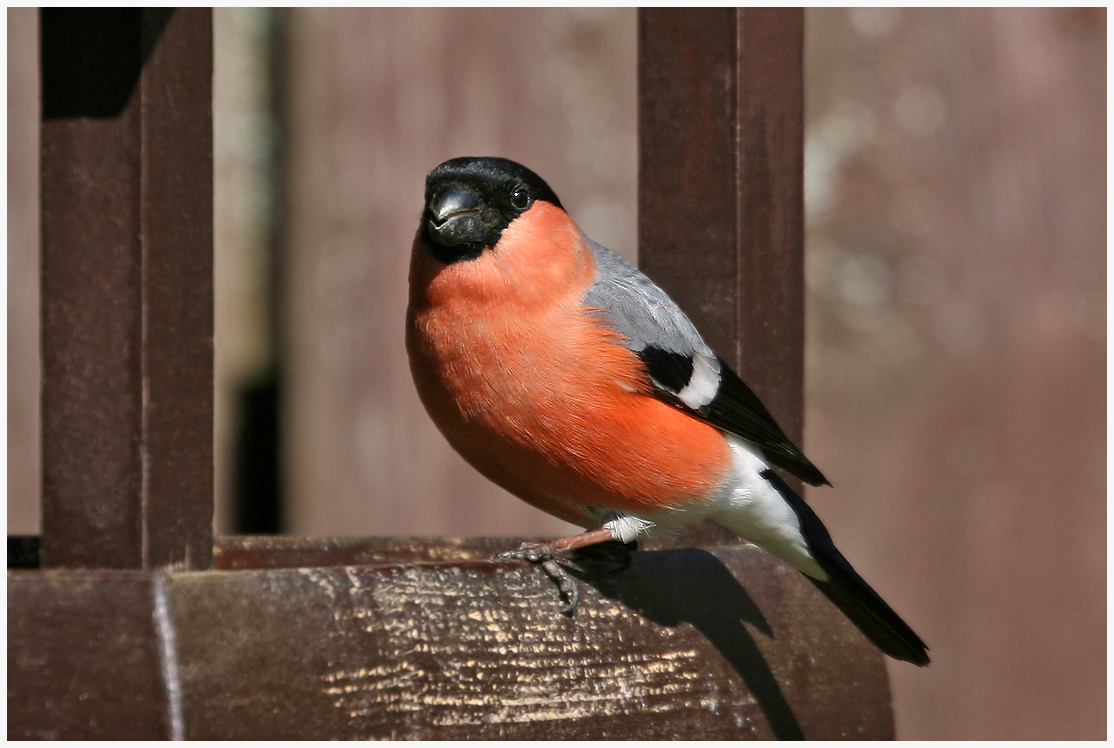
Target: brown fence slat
<point>721,210</point>
<point>721,201</point>
<point>724,643</point>
<point>83,657</point>
<point>127,292</point>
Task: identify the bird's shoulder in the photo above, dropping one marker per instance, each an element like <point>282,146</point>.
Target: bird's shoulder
<point>680,367</point>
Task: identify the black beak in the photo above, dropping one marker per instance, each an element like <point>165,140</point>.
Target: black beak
<point>455,218</point>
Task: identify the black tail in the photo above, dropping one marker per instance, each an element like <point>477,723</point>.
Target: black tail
<point>850,592</point>
<point>869,612</point>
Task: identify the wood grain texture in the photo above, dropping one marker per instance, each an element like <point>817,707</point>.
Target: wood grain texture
<point>727,643</point>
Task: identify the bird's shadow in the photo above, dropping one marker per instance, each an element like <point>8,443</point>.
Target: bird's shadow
<point>692,585</point>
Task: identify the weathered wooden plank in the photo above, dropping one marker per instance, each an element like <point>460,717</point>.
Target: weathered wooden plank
<point>127,293</point>
<point>286,552</point>
<point>728,643</point>
<point>83,657</point>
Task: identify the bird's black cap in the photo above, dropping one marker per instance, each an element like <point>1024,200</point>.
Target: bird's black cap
<point>470,201</point>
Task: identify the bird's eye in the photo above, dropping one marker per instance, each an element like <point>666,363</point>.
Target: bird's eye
<point>520,198</point>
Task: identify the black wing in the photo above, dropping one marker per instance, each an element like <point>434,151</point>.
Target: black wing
<point>734,408</point>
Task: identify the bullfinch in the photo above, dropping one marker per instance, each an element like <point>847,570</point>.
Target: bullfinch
<point>569,378</point>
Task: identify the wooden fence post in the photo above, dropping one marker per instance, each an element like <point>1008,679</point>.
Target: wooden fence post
<point>127,288</point>
<point>721,198</point>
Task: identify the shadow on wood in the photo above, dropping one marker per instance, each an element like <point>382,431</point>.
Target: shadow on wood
<point>693,586</point>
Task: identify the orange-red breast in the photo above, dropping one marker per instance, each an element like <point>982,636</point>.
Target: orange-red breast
<point>569,378</point>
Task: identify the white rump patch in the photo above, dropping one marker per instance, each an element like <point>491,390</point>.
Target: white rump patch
<point>704,382</point>
<point>626,527</point>
<point>753,509</point>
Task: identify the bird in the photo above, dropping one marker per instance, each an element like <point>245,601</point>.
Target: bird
<point>566,376</point>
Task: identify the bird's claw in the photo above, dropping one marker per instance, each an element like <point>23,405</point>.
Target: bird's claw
<point>565,584</point>
<point>545,557</point>
<point>535,553</point>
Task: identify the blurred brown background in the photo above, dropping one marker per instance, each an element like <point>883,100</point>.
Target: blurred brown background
<point>956,265</point>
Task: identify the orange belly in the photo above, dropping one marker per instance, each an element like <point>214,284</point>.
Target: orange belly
<point>551,406</point>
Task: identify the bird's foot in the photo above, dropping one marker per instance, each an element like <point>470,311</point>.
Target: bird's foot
<point>546,557</point>
<point>608,557</point>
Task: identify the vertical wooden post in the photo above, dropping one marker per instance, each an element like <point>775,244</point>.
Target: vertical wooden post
<point>127,288</point>
<point>721,207</point>
<point>721,200</point>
